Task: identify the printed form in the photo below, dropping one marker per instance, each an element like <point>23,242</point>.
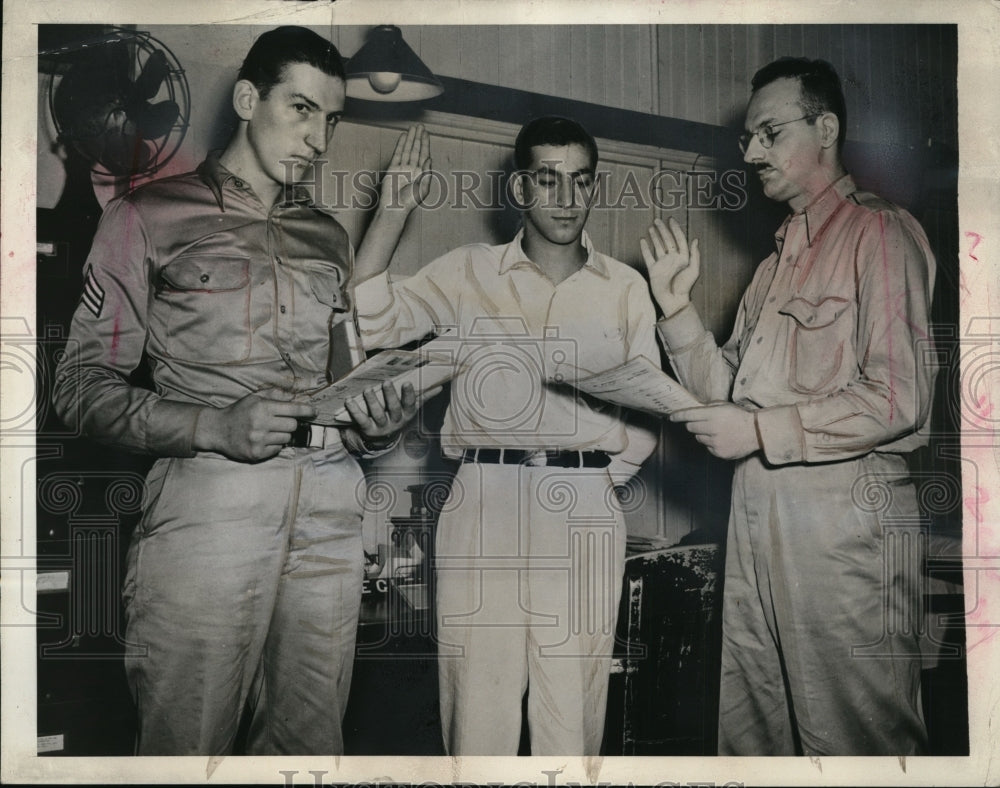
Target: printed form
<point>641,385</point>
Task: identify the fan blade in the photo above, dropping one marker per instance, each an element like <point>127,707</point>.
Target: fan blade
<point>154,71</point>
<point>154,120</point>
<point>124,153</point>
<point>115,59</point>
<point>91,91</point>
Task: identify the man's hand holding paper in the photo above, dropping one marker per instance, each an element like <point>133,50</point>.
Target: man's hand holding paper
<point>422,371</point>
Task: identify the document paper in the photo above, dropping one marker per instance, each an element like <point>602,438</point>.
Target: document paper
<point>641,385</point>
<point>425,369</point>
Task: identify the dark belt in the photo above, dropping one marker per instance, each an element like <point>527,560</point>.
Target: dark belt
<point>559,459</point>
<point>310,436</point>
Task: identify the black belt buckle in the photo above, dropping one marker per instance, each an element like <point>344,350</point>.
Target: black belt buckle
<point>300,438</point>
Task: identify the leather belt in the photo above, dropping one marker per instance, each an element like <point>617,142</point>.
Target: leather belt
<point>311,436</point>
<point>553,457</point>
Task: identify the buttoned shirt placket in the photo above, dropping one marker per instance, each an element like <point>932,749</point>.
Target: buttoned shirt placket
<point>284,320</point>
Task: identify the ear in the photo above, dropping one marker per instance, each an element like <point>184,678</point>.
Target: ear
<point>518,188</point>
<point>245,98</point>
<point>829,127</point>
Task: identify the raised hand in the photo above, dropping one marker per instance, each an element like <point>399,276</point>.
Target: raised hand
<point>402,186</point>
<point>253,428</point>
<point>673,266</point>
<point>402,190</point>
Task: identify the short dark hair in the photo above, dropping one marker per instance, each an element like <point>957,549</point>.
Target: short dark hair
<point>551,130</point>
<point>819,83</point>
<point>265,63</point>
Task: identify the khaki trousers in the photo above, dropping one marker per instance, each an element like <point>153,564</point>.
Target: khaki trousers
<point>821,611</point>
<point>243,588</point>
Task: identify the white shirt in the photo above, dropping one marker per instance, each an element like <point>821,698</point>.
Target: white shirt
<point>515,333</point>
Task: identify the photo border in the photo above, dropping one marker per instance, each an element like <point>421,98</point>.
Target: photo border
<point>978,24</point>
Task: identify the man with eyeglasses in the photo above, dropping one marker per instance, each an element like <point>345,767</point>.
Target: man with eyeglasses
<point>818,395</point>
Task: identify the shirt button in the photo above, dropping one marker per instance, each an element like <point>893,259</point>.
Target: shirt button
<point>282,309</point>
<point>759,340</point>
<point>743,382</point>
<point>277,260</point>
<point>204,277</point>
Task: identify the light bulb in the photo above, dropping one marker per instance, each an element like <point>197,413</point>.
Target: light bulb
<point>384,81</point>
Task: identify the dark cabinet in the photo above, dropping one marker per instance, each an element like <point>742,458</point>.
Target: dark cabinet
<point>88,499</point>
<point>663,697</point>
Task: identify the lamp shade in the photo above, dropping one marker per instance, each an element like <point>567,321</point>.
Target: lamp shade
<point>386,69</point>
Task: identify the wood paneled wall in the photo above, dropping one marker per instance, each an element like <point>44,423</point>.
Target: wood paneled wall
<point>614,65</point>
<point>899,83</point>
<point>898,79</point>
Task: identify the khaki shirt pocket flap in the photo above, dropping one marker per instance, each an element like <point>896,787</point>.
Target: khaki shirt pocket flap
<point>207,272</point>
<point>810,316</point>
<point>327,289</point>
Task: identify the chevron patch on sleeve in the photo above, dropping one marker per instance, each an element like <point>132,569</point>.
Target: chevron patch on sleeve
<point>93,293</point>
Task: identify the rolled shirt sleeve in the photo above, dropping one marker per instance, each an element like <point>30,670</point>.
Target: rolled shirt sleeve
<point>391,314</point>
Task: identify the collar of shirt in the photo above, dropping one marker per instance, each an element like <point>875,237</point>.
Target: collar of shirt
<point>216,177</point>
<point>815,215</point>
<point>513,254</point>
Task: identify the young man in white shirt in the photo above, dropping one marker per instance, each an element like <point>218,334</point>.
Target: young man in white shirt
<point>530,543</point>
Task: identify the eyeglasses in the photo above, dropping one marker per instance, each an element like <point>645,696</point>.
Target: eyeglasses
<point>766,134</point>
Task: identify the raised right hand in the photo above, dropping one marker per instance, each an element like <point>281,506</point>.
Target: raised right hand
<point>673,267</point>
<point>403,185</point>
<point>403,189</point>
<point>253,428</point>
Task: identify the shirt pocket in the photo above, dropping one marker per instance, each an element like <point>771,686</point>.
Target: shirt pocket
<point>319,300</point>
<point>325,283</point>
<point>820,342</point>
<point>208,300</point>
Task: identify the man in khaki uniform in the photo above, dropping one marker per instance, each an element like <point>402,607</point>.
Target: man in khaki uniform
<point>818,395</point>
<point>244,574</point>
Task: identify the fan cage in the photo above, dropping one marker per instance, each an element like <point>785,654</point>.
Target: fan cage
<point>142,43</point>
